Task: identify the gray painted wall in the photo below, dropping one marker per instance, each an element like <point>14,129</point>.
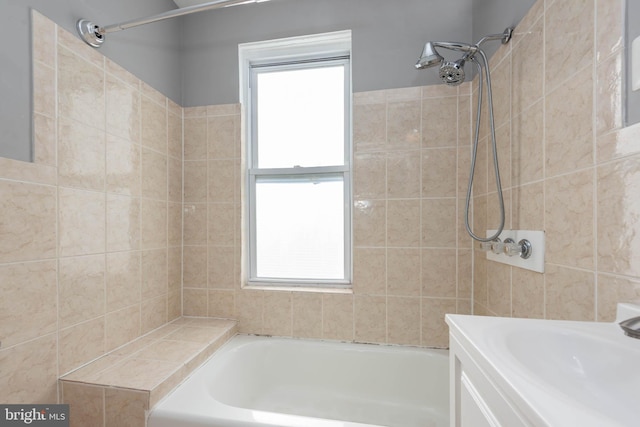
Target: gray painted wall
<point>150,52</point>
<point>633,31</point>
<point>388,37</point>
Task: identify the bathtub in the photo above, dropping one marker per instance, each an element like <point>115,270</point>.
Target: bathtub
<point>261,381</point>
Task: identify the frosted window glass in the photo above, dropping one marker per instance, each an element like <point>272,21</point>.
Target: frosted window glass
<point>300,117</point>
<point>300,228</point>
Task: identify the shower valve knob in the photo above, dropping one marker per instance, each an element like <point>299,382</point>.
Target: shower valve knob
<point>522,248</point>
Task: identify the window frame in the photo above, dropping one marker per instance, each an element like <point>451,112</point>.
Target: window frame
<point>324,50</point>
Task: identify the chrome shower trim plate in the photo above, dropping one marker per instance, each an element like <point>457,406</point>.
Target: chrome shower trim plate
<point>89,32</point>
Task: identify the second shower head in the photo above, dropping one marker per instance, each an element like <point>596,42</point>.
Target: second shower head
<point>452,72</point>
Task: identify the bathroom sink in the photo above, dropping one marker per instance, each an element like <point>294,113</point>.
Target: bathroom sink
<point>586,363</point>
<point>567,373</point>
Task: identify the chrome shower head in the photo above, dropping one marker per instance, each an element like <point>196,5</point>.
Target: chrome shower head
<point>429,57</point>
<point>452,72</point>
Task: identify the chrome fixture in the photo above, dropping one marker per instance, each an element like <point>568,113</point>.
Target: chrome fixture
<point>509,247</point>
<point>631,327</point>
<point>452,74</point>
<point>94,35</point>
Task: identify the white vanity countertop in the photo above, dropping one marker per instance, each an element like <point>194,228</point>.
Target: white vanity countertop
<point>557,373</point>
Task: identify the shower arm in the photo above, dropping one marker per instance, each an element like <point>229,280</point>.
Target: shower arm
<point>94,35</point>
<point>471,50</point>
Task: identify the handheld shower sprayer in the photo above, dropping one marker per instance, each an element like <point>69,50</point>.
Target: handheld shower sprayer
<point>452,74</point>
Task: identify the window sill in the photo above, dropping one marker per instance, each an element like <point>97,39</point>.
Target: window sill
<point>291,288</point>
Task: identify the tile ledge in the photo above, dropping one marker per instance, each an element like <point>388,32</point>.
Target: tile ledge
<point>93,373</point>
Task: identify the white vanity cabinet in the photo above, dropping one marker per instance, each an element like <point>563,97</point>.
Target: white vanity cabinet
<point>476,401</point>
<point>511,372</point>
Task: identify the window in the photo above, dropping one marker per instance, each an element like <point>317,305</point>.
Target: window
<point>298,196</point>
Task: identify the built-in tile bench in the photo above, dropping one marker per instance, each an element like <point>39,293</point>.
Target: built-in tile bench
<point>118,389</point>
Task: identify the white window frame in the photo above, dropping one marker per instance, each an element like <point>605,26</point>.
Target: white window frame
<point>302,52</point>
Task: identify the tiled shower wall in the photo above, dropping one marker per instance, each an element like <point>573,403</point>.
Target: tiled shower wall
<point>567,166</point>
<point>91,231</point>
<point>412,262</point>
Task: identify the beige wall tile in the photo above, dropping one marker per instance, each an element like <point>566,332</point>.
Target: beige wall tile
<point>439,273</point>
<point>28,307</point>
<point>195,182</point>
<point>153,313</point>
<point>620,143</point>
<point>278,314</point>
<point>221,267</point>
<point>569,38</point>
<point>80,89</point>
<point>122,326</point>
<point>154,273</point>
<point>81,156</point>
<point>195,302</point>
<point>175,129</point>
<point>154,125</point>
<point>44,89</point>
<point>437,114</point>
<point>221,225</point>
<point>28,225</point>
<point>44,49</point>
<point>86,404</point>
<point>29,372</point>
<point>44,140</point>
<point>370,223</point>
<point>338,317</point>
<point>195,224</point>
<point>369,175</point>
<point>154,224</point>
<point>195,267</point>
<point>221,136</point>
<point>307,315</point>
<point>81,214</point>
<point>403,174</point>
<point>569,219</point>
<point>370,317</point>
<point>612,290</point>
<point>499,288</point>
<point>221,183</point>
<point>403,271</point>
<point>249,309</point>
<point>569,124</point>
<point>609,94</point>
<point>123,109</point>
<point>369,126</point>
<point>123,280</point>
<point>221,304</point>
<point>437,179</point>
<point>528,207</point>
<point>154,174</point>
<point>435,332</point>
<point>81,289</point>
<point>617,212</point>
<point>80,344</point>
<point>174,224</point>
<point>439,223</point>
<point>369,271</point>
<point>403,220</point>
<point>527,292</point>
<point>123,223</point>
<point>123,166</point>
<point>569,294</point>
<point>501,88</point>
<point>403,320</point>
<point>125,408</point>
<point>609,27</point>
<point>195,138</point>
<point>403,125</point>
<point>527,68</point>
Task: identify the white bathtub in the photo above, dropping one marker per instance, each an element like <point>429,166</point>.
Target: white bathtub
<point>261,381</point>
